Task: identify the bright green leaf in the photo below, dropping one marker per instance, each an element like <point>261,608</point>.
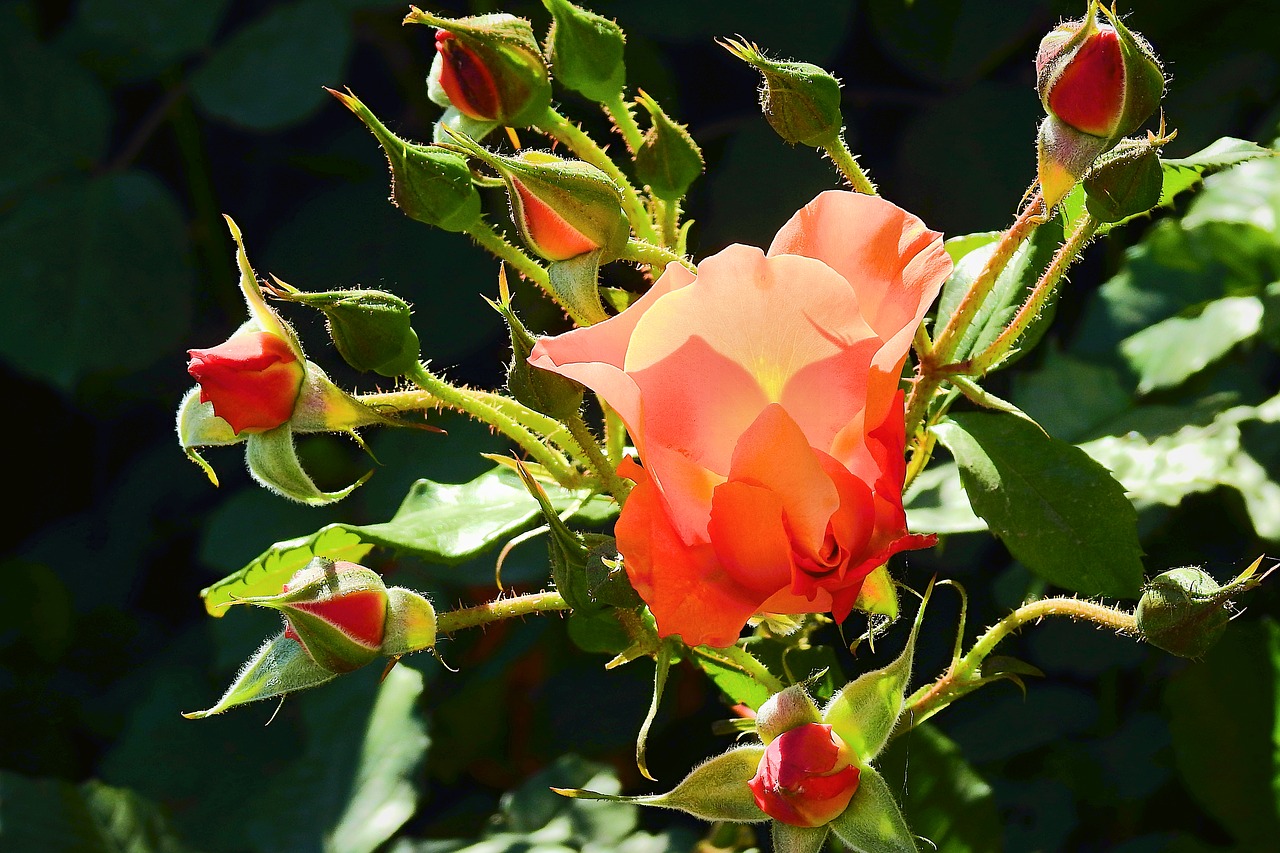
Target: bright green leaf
<point>1058,511</point>
<point>1170,352</point>
<point>270,74</point>
<point>936,503</point>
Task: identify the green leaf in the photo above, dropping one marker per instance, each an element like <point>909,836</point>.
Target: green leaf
<point>873,822</point>
<point>278,668</point>
<point>1070,397</point>
<point>1006,297</point>
<point>936,503</point>
<point>439,522</point>
<point>88,267</point>
<point>1222,715</point>
<point>56,117</point>
<point>1196,459</point>
<point>53,816</point>
<point>945,798</point>
<point>866,709</point>
<point>1058,511</point>
<point>136,40</point>
<point>1168,353</point>
<point>269,74</point>
<point>734,681</point>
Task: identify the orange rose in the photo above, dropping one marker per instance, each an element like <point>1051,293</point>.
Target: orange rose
<point>253,380</point>
<point>762,396</point>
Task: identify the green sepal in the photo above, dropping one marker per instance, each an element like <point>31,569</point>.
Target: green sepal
<point>1127,181</point>
<point>371,329</point>
<point>873,822</point>
<point>1143,77</point>
<point>454,121</point>
<point>586,51</point>
<point>279,667</point>
<point>797,839</point>
<point>785,710</point>
<point>568,550</point>
<point>540,390</point>
<point>576,283</point>
<point>1063,156</point>
<point>668,161</point>
<point>428,183</point>
<point>324,407</point>
<point>879,594</point>
<point>800,100</point>
<point>198,426</point>
<point>510,52</point>
<point>865,710</point>
<point>273,462</point>
<point>411,623</point>
<point>661,669</point>
<point>607,581</point>
<point>716,790</point>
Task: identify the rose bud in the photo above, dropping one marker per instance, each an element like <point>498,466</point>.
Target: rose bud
<point>336,610</point>
<point>563,208</point>
<point>806,777</point>
<point>1098,78</point>
<point>253,380</point>
<point>586,51</point>
<point>800,101</point>
<point>370,328</point>
<point>490,67</point>
<point>1185,611</point>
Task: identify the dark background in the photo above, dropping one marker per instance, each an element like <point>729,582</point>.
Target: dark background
<point>127,129</point>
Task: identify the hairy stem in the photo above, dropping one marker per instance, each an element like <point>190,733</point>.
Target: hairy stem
<point>615,485</point>
<point>655,256</point>
<point>502,608</point>
<point>844,160</point>
<point>625,121</point>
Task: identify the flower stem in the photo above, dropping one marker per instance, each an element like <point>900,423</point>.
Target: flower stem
<point>655,256</point>
<point>559,127</point>
<point>617,486</point>
<point>470,402</point>
<point>1066,255</point>
<point>964,674</point>
<point>485,234</point>
<point>625,121</point>
<point>502,608</point>
<point>844,160</point>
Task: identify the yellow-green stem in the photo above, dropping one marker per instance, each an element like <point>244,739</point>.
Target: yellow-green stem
<point>502,608</point>
<point>559,127</point>
<point>465,400</point>
<point>615,485</point>
<point>655,256</point>
<point>844,160</point>
<point>669,220</point>
<point>959,677</point>
<point>488,238</point>
<point>615,434</point>
<point>625,121</point>
<point>1066,255</point>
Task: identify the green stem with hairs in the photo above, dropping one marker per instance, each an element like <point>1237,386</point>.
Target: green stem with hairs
<point>615,485</point>
<point>655,256</point>
<point>489,239</point>
<point>625,121</point>
<point>559,127</point>
<point>503,608</point>
<point>844,160</point>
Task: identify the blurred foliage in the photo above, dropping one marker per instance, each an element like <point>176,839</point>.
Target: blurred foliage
<point>128,128</point>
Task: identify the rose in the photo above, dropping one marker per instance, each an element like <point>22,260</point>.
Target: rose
<point>806,776</point>
<point>762,396</point>
<point>253,380</point>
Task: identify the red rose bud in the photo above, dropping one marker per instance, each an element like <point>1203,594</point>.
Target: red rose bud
<point>806,777</point>
<point>336,610</point>
<point>563,208</point>
<point>490,67</point>
<point>800,101</point>
<point>1098,78</point>
<point>252,380</point>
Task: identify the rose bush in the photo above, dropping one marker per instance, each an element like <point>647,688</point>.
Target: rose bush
<point>762,397</point>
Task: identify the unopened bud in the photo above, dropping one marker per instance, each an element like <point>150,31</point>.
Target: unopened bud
<point>428,183</point>
<point>801,101</point>
<point>1184,611</point>
<point>1063,157</point>
<point>253,380</point>
<point>541,390</point>
<point>586,51</point>
<point>370,328</point>
<point>1098,78</point>
<point>1126,181</point>
<point>563,208</point>
<point>806,777</point>
<point>785,710</point>
<point>490,67</point>
<point>668,161</point>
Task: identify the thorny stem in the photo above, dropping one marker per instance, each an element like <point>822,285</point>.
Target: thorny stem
<point>1066,255</point>
<point>467,401</point>
<point>616,486</point>
<point>961,676</point>
<point>669,220</point>
<point>655,256</point>
<point>489,239</point>
<point>502,608</point>
<point>625,121</point>
<point>844,160</point>
<point>559,127</point>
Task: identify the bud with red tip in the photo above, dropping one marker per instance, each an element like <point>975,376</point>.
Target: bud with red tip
<point>253,380</point>
<point>490,67</point>
<point>806,777</point>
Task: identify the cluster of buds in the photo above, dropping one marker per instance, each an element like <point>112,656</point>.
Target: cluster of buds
<point>338,617</point>
<point>1098,82</point>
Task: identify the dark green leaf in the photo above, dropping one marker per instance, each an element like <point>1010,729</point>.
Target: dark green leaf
<point>1070,397</point>
<point>54,116</point>
<point>136,39</point>
<point>1057,510</point>
<point>1223,721</point>
<point>88,267</point>
<point>945,799</point>
<point>1006,297</point>
<point>53,816</point>
<point>1168,353</point>
<point>270,73</point>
